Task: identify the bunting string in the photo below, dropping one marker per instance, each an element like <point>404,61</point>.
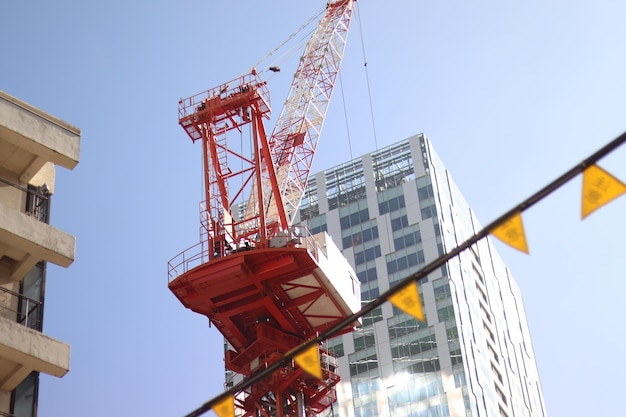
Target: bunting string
<point>599,188</point>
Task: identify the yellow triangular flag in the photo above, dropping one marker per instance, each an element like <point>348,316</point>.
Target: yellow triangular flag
<point>511,232</point>
<point>226,407</point>
<point>408,300</point>
<point>599,188</point>
<point>309,360</point>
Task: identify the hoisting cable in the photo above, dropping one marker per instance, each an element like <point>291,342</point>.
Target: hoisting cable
<point>417,276</point>
<point>275,65</point>
<point>367,77</point>
<point>290,37</point>
<point>345,115</point>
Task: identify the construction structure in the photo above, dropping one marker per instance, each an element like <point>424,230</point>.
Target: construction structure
<point>266,285</point>
<point>32,144</point>
<point>392,211</point>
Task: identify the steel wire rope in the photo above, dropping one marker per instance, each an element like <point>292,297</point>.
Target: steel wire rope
<point>289,38</point>
<point>417,276</point>
<point>360,235</point>
<point>296,48</point>
<point>367,77</point>
<point>371,106</point>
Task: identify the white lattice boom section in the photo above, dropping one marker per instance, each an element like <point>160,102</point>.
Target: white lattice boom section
<point>295,136</point>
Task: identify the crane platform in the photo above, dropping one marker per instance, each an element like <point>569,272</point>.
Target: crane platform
<point>300,289</point>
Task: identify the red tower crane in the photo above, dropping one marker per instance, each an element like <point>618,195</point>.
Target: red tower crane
<point>267,285</point>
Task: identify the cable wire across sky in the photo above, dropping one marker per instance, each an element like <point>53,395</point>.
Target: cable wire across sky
<point>416,277</point>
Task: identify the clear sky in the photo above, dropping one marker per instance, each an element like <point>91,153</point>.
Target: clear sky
<point>512,94</point>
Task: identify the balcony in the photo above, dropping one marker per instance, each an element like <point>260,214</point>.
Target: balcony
<point>29,138</point>
<point>24,350</point>
<point>24,241</point>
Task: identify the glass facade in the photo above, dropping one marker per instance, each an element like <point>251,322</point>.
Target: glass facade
<point>391,212</point>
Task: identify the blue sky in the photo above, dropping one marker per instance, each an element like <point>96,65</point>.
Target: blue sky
<point>511,95</point>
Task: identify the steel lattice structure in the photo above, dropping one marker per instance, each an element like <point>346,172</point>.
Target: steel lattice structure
<point>266,285</point>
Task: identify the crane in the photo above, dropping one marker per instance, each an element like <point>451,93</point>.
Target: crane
<point>264,283</point>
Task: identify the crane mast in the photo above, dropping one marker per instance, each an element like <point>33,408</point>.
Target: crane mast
<point>267,285</point>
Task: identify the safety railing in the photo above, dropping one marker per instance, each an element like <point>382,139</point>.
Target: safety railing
<point>20,308</point>
<point>188,259</point>
<point>198,254</point>
<point>203,101</point>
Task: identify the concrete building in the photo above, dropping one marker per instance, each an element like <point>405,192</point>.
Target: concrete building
<point>32,144</point>
<point>391,212</point>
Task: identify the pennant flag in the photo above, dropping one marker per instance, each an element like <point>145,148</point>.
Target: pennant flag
<point>599,188</point>
<point>226,407</point>
<point>309,360</point>
<point>511,232</point>
<point>408,300</point>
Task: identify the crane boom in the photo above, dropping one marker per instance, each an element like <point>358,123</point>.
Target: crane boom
<point>294,140</point>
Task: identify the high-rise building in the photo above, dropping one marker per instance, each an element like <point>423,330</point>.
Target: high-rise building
<point>392,211</point>
<point>32,144</point>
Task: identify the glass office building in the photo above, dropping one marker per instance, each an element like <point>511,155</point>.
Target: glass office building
<point>391,212</point>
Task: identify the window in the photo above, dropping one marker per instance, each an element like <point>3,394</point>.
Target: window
<point>364,361</point>
<point>425,192</point>
<point>459,377</point>
<point>361,237</point>
<point>363,340</point>
<point>373,316</point>
<point>370,295</point>
<point>456,357</point>
<point>401,263</point>
<point>410,239</point>
<point>368,275</point>
<point>335,346</point>
<point>367,255</point>
<point>318,229</point>
<point>399,223</point>
<point>407,325</point>
<point>38,203</point>
<point>428,212</point>
<point>354,218</point>
<point>391,205</point>
<point>441,289</point>
<point>309,206</point>
<point>445,313</point>
<point>24,397</point>
<point>317,224</point>
<point>427,198</point>
<point>403,349</point>
<point>453,334</point>
<point>31,305</point>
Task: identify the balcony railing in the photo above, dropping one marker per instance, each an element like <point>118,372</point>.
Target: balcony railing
<point>37,200</point>
<point>20,308</point>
